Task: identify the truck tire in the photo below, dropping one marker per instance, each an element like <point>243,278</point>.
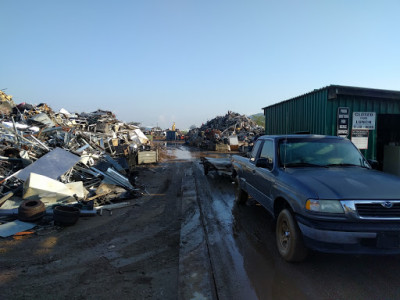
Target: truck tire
<point>31,210</point>
<point>241,196</point>
<point>66,215</point>
<point>289,239</point>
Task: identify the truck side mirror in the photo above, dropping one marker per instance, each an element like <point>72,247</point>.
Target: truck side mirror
<point>264,163</point>
<point>374,164</point>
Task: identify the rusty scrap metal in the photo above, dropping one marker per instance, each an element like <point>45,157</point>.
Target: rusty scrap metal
<point>105,149</point>
<point>220,132</point>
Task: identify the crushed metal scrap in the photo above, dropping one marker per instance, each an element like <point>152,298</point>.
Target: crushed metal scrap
<point>60,159</point>
<point>231,132</point>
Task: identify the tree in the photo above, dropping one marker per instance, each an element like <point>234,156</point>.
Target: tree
<point>259,119</point>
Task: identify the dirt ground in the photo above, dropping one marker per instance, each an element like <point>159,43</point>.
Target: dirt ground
<point>132,253</point>
<point>185,239</point>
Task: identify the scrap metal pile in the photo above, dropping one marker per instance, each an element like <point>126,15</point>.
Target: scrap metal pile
<point>57,159</point>
<point>225,133</point>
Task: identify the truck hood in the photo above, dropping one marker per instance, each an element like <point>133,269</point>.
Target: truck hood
<point>346,183</point>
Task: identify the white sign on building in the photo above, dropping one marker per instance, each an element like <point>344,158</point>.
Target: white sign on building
<point>359,137</point>
<point>364,120</point>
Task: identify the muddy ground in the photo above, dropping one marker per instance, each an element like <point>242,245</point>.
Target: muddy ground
<point>131,254</point>
<point>185,239</point>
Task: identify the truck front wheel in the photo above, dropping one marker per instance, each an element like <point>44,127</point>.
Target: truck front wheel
<point>289,239</point>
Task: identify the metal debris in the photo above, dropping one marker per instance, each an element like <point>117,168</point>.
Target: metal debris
<point>65,157</point>
<point>232,132</point>
<point>11,228</point>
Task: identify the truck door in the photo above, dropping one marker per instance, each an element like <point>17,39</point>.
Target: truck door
<point>263,176</point>
<point>248,168</point>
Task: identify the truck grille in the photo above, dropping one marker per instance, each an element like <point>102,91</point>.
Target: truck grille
<point>377,210</point>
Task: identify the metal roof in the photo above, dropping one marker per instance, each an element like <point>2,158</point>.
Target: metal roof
<point>299,136</point>
<point>334,90</point>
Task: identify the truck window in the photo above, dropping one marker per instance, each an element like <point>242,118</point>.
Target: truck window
<point>255,150</point>
<point>267,152</point>
<point>322,151</point>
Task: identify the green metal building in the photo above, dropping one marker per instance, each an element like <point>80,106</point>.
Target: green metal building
<point>369,117</point>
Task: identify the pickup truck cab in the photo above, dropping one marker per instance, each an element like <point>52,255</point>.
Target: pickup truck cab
<point>323,195</point>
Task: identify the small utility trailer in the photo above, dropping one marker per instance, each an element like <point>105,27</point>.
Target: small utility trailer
<point>223,165</point>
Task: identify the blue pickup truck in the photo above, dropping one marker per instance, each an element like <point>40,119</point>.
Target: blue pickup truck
<point>323,195</point>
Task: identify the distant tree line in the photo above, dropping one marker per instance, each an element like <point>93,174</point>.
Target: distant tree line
<point>259,119</point>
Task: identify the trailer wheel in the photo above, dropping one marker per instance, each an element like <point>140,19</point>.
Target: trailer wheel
<point>289,239</point>
<point>205,169</point>
<point>241,195</point>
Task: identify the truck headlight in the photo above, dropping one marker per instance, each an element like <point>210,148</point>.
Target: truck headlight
<point>324,206</point>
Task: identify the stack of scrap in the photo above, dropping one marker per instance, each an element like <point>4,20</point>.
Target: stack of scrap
<point>65,158</point>
<point>225,133</point>
<point>6,103</point>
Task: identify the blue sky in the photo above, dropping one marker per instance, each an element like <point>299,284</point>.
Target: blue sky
<point>159,62</point>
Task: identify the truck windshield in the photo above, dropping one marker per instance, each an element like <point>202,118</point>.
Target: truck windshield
<point>319,152</point>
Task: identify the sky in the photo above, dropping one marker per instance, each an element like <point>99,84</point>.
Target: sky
<point>187,61</point>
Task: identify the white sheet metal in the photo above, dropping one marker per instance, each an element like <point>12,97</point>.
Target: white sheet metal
<point>143,139</point>
<point>14,227</point>
<point>47,189</point>
<point>52,165</point>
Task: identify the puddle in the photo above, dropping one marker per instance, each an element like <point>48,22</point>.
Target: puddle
<point>180,152</point>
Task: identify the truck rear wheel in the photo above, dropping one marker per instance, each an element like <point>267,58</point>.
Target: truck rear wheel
<point>289,239</point>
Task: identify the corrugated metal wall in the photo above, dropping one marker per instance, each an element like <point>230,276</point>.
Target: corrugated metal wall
<point>306,113</point>
<point>314,113</point>
<point>361,104</point>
